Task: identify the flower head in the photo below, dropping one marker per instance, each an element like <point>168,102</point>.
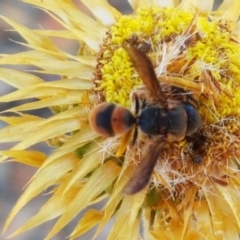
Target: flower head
<point>193,191</point>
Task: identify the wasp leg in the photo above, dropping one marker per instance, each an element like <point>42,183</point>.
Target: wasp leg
<point>135,136</point>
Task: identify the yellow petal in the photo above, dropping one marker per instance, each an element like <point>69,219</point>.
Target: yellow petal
<point>35,41</point>
<point>160,3</point>
<point>32,158</point>
<point>42,130</point>
<point>115,197</point>
<point>137,3</point>
<point>86,165</point>
<point>76,141</point>
<point>53,208</point>
<point>152,3</point>
<point>91,40</point>
<point>71,17</point>
<point>188,210</point>
<point>200,5</point>
<point>216,213</point>
<point>69,98</point>
<point>232,198</point>
<point>56,33</point>
<point>44,178</point>
<point>127,137</point>
<point>125,222</point>
<point>17,120</point>
<point>51,130</point>
<point>109,211</point>
<point>18,128</point>
<point>168,3</point>
<point>203,217</point>
<point>103,11</point>
<point>52,64</point>
<point>18,79</point>
<point>151,234</point>
<point>225,5</point>
<point>66,87</point>
<point>232,11</point>
<point>89,220</point>
<point>237,28</point>
<point>155,235</point>
<point>97,183</point>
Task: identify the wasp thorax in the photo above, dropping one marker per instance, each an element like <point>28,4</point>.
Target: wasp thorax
<point>153,121</point>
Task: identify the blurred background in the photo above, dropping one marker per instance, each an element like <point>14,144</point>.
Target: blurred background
<point>14,176</point>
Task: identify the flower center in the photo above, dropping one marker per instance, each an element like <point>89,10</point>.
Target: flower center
<point>192,56</point>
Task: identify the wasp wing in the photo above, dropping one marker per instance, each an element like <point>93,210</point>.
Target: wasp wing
<point>146,72</point>
<point>144,171</point>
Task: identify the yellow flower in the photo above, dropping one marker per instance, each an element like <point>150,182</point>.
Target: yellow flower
<point>194,190</point>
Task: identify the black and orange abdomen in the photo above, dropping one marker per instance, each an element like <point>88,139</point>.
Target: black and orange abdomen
<point>109,119</point>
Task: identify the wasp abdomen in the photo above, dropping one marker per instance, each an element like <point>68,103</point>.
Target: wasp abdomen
<point>109,119</point>
<point>194,121</point>
<point>177,121</point>
<point>122,120</point>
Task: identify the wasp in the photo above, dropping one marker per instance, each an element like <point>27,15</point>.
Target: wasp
<point>160,119</point>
